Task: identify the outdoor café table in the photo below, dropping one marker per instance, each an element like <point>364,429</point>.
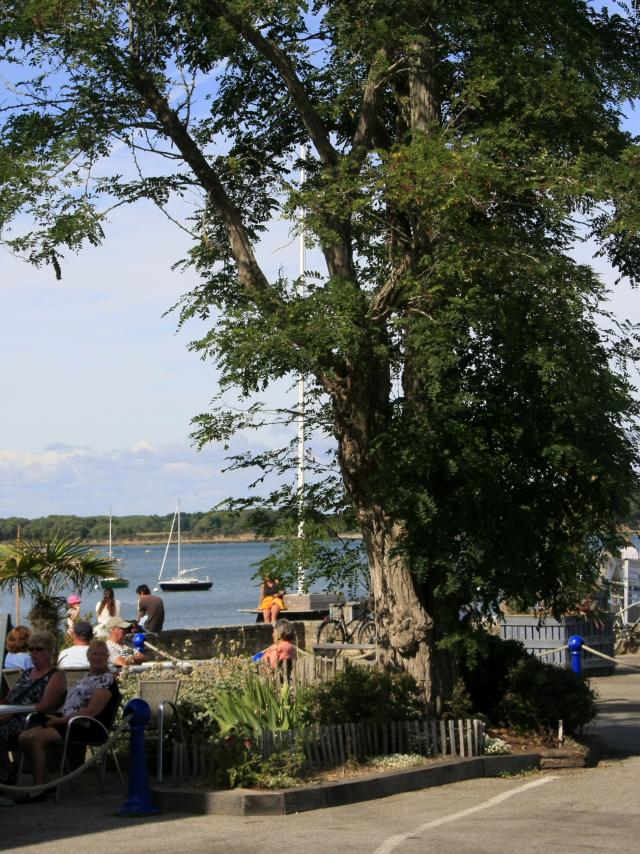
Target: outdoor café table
<point>16,710</point>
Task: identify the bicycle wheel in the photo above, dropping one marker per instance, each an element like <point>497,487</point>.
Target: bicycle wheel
<point>330,631</point>
<point>367,632</point>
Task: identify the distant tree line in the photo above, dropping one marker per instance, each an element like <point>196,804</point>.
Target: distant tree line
<point>212,523</point>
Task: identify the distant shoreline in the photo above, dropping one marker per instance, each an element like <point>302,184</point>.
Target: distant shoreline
<point>161,540</point>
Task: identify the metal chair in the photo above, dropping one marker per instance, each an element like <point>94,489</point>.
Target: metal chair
<point>72,744</point>
<point>11,676</point>
<point>161,695</point>
<point>73,675</point>
<point>75,748</point>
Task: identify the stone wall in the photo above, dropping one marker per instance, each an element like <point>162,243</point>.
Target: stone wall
<point>228,640</point>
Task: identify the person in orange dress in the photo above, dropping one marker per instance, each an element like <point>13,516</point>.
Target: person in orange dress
<point>271,599</point>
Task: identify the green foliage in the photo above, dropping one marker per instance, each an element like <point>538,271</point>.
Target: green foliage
<point>514,688</point>
<point>364,694</point>
<point>460,705</point>
<point>45,568</point>
<point>196,525</point>
<point>258,704</point>
<point>282,769</point>
<point>539,695</point>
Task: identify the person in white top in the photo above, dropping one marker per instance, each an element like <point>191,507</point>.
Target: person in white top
<point>76,655</point>
<point>106,608</point>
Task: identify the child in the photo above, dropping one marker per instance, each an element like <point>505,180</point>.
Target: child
<point>73,613</point>
<point>283,648</point>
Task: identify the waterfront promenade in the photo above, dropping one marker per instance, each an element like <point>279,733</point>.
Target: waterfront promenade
<point>584,809</point>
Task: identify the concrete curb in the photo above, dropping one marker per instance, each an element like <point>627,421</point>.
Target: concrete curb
<point>303,798</point>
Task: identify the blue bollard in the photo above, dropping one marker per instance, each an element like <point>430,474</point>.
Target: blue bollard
<point>138,641</point>
<point>139,801</point>
<point>575,648</point>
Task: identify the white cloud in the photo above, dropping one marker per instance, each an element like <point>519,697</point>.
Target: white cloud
<point>141,479</point>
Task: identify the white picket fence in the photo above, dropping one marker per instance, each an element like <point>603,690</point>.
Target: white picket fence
<point>332,746</point>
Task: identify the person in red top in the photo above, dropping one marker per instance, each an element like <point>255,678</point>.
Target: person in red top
<point>283,647</point>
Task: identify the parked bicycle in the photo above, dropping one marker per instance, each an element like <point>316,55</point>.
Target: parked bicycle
<point>337,630</point>
<point>626,633</point>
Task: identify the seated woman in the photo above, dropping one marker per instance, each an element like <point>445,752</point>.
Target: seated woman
<point>41,685</point>
<point>283,647</point>
<point>17,644</point>
<point>95,695</point>
<point>271,599</point>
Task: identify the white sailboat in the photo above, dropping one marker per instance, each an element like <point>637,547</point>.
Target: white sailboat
<point>182,580</point>
<point>115,580</point>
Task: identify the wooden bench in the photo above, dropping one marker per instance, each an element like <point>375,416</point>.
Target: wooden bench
<point>302,606</point>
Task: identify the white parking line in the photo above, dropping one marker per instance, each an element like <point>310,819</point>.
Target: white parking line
<point>394,841</point>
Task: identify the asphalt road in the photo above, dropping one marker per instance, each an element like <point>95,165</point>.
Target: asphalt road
<point>571,811</point>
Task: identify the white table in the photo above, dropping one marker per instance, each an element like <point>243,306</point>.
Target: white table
<point>16,710</point>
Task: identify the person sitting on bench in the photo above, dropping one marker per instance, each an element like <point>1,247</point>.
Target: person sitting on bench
<point>271,599</point>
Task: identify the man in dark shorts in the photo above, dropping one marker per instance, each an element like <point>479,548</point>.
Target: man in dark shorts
<point>150,610</point>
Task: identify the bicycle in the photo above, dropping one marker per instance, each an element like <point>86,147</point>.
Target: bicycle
<point>626,635</point>
<point>338,630</point>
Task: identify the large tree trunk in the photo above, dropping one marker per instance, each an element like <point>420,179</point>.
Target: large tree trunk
<point>409,626</point>
<point>408,631</point>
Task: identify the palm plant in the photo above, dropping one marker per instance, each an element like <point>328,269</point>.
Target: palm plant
<point>44,568</point>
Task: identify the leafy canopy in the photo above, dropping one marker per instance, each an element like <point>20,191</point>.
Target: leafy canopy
<point>454,348</point>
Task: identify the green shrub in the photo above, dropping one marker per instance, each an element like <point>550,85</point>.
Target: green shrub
<point>539,695</point>
<point>513,688</point>
<point>258,704</point>
<point>364,694</point>
<point>486,676</point>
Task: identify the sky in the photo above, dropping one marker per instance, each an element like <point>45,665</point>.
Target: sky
<point>98,387</point>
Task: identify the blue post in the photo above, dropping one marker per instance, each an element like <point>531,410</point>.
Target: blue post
<point>139,801</point>
<point>138,641</point>
<point>575,648</point>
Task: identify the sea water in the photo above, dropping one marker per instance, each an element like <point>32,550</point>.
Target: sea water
<point>231,567</point>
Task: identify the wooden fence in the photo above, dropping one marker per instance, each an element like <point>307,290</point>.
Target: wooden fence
<point>332,746</point>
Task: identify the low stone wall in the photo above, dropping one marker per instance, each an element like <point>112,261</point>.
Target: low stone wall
<point>228,640</point>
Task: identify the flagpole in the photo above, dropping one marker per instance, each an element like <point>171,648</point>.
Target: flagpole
<point>301,293</point>
<point>17,586</point>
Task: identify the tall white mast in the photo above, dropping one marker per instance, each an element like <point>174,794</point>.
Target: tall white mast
<point>301,292</point>
<point>178,512</point>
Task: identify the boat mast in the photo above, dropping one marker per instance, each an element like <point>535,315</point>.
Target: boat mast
<point>178,512</point>
<point>166,551</point>
<point>301,293</point>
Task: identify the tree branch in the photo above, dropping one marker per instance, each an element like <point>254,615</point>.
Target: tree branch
<point>249,272</point>
<point>272,51</point>
<point>368,118</point>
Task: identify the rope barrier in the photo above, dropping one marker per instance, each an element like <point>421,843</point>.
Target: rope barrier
<point>551,651</point>
<point>92,760</point>
<point>608,658</point>
<point>166,654</point>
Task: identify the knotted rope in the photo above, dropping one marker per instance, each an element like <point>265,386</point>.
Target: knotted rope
<point>95,757</point>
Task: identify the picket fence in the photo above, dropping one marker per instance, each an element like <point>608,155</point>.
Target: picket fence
<point>332,746</point>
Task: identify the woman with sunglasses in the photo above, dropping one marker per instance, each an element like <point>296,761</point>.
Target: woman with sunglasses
<point>42,686</point>
<point>97,695</point>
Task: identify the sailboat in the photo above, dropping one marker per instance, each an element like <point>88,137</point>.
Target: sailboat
<point>183,580</point>
<point>115,580</point>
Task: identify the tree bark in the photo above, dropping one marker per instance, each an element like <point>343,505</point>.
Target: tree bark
<point>408,630</point>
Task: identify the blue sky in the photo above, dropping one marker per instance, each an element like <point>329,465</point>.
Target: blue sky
<point>98,387</point>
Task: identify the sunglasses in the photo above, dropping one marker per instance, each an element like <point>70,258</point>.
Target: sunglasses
<point>38,648</point>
